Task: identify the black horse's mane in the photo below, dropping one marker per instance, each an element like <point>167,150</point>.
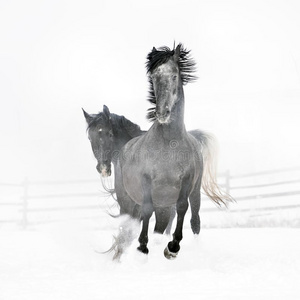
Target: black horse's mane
<point>157,57</point>
<point>99,119</point>
<point>131,128</point>
<point>119,123</point>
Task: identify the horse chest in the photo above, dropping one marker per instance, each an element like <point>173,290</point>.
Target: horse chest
<point>166,183</point>
<point>166,164</point>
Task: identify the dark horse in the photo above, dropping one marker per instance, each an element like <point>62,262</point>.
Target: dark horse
<point>108,133</point>
<point>164,166</point>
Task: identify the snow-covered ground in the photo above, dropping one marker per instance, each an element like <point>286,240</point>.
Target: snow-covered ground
<point>62,261</point>
<point>249,251</point>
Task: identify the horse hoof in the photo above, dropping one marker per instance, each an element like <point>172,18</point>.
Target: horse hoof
<point>143,249</point>
<point>169,255</point>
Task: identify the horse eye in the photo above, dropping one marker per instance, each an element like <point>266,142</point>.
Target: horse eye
<point>174,77</point>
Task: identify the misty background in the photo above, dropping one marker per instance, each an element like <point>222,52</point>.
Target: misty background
<point>57,57</point>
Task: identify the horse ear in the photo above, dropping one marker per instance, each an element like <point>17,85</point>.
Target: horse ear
<point>88,117</point>
<point>106,111</point>
<point>177,51</point>
<point>154,49</point>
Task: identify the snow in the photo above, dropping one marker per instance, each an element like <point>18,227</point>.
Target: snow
<point>63,261</point>
<point>249,250</point>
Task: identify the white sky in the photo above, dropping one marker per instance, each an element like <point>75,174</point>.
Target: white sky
<point>59,56</point>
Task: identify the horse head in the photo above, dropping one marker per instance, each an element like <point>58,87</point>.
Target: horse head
<point>100,134</point>
<point>168,70</point>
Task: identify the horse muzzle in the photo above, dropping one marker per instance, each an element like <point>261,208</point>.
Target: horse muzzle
<point>103,170</point>
<point>163,118</point>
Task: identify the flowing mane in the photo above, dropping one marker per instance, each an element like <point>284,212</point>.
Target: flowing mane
<point>121,122</point>
<point>157,57</point>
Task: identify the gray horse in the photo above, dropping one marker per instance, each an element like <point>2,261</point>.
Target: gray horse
<point>164,167</point>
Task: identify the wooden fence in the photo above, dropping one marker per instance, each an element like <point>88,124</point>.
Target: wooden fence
<point>24,205</point>
<point>282,182</point>
<point>275,184</point>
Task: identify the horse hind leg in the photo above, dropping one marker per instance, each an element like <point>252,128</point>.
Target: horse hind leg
<point>171,218</point>
<point>163,219</point>
<point>195,200</point>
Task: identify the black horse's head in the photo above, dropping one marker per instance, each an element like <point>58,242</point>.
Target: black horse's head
<point>168,70</point>
<point>100,134</point>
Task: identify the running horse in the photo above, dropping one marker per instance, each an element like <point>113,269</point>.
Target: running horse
<point>164,166</point>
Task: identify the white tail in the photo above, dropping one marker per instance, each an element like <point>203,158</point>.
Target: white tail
<point>209,178</point>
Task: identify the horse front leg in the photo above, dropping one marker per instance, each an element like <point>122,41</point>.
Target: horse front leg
<point>173,247</point>
<point>146,213</point>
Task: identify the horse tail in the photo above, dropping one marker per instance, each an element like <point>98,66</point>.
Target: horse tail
<point>209,177</point>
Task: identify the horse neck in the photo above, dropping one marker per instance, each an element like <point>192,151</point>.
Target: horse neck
<point>119,141</point>
<point>121,136</point>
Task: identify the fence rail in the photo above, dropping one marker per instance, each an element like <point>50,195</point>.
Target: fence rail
<point>229,182</point>
<point>275,183</point>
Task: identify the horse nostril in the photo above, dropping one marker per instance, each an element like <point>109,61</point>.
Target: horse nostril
<point>163,115</point>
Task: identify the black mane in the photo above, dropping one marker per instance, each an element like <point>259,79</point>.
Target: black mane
<point>132,129</point>
<point>99,119</point>
<point>119,123</point>
<point>157,57</point>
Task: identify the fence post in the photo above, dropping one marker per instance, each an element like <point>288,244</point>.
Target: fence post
<point>227,183</point>
<point>24,221</point>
